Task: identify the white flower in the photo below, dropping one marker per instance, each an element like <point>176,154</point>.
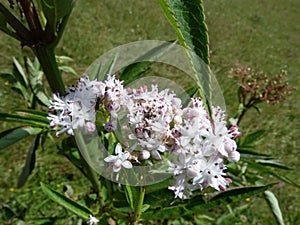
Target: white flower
<point>184,170</point>
<point>87,92</point>
<point>212,174</point>
<point>93,220</point>
<point>59,114</point>
<point>77,107</point>
<point>119,160</point>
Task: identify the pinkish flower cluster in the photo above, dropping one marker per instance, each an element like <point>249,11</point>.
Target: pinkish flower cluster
<point>158,126</point>
<point>258,86</point>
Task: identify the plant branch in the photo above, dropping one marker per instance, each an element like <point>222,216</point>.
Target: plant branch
<point>23,34</point>
<point>47,60</point>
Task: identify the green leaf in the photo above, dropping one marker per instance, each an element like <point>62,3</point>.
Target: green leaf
<point>36,81</point>
<point>268,170</point>
<point>55,11</point>
<point>187,19</point>
<point>239,193</point>
<point>19,73</point>
<point>99,71</point>
<point>21,82</point>
<point>33,113</point>
<point>145,207</point>
<point>69,204</point>
<point>30,161</point>
<point>273,163</point>
<point>274,206</point>
<point>131,196</point>
<point>141,65</point>
<point>285,179</point>
<point>26,118</point>
<point>164,213</point>
<point>68,69</point>
<point>10,137</point>
<point>63,59</point>
<point>197,203</point>
<point>247,154</point>
<point>250,141</point>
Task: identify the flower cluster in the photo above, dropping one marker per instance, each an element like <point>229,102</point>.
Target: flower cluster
<point>76,108</point>
<point>201,146</point>
<point>150,114</point>
<point>157,124</point>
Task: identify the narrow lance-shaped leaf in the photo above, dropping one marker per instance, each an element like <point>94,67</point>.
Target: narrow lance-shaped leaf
<point>98,70</point>
<point>30,161</point>
<point>64,201</point>
<point>36,82</point>
<point>141,64</point>
<point>274,206</point>
<point>10,137</point>
<point>187,19</point>
<point>273,163</point>
<point>238,193</point>
<point>268,170</point>
<point>26,118</point>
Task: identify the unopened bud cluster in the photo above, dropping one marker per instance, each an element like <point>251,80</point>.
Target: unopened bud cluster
<point>258,86</point>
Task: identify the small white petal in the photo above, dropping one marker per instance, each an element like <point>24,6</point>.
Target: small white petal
<point>234,156</point>
<point>93,220</point>
<point>111,158</point>
<point>118,149</point>
<point>127,164</point>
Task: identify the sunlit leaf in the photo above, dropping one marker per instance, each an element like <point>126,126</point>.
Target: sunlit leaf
<point>30,162</point>
<point>274,206</point>
<point>55,11</point>
<point>141,65</point>
<point>36,81</point>
<point>187,19</point>
<point>273,163</point>
<point>26,118</point>
<point>19,73</point>
<point>66,202</point>
<point>238,193</point>
<point>98,70</point>
<point>248,142</point>
<point>68,69</point>
<point>12,136</point>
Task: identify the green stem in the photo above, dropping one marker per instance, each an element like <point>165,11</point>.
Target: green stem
<point>48,63</point>
<point>139,205</point>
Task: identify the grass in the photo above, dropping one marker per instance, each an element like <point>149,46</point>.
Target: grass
<point>261,34</point>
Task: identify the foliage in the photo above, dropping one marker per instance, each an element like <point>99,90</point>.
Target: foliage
<point>111,199</point>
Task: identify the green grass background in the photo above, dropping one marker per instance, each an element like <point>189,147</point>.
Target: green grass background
<point>263,34</point>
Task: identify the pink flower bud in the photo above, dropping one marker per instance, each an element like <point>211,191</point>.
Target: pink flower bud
<point>90,127</point>
<point>145,155</point>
